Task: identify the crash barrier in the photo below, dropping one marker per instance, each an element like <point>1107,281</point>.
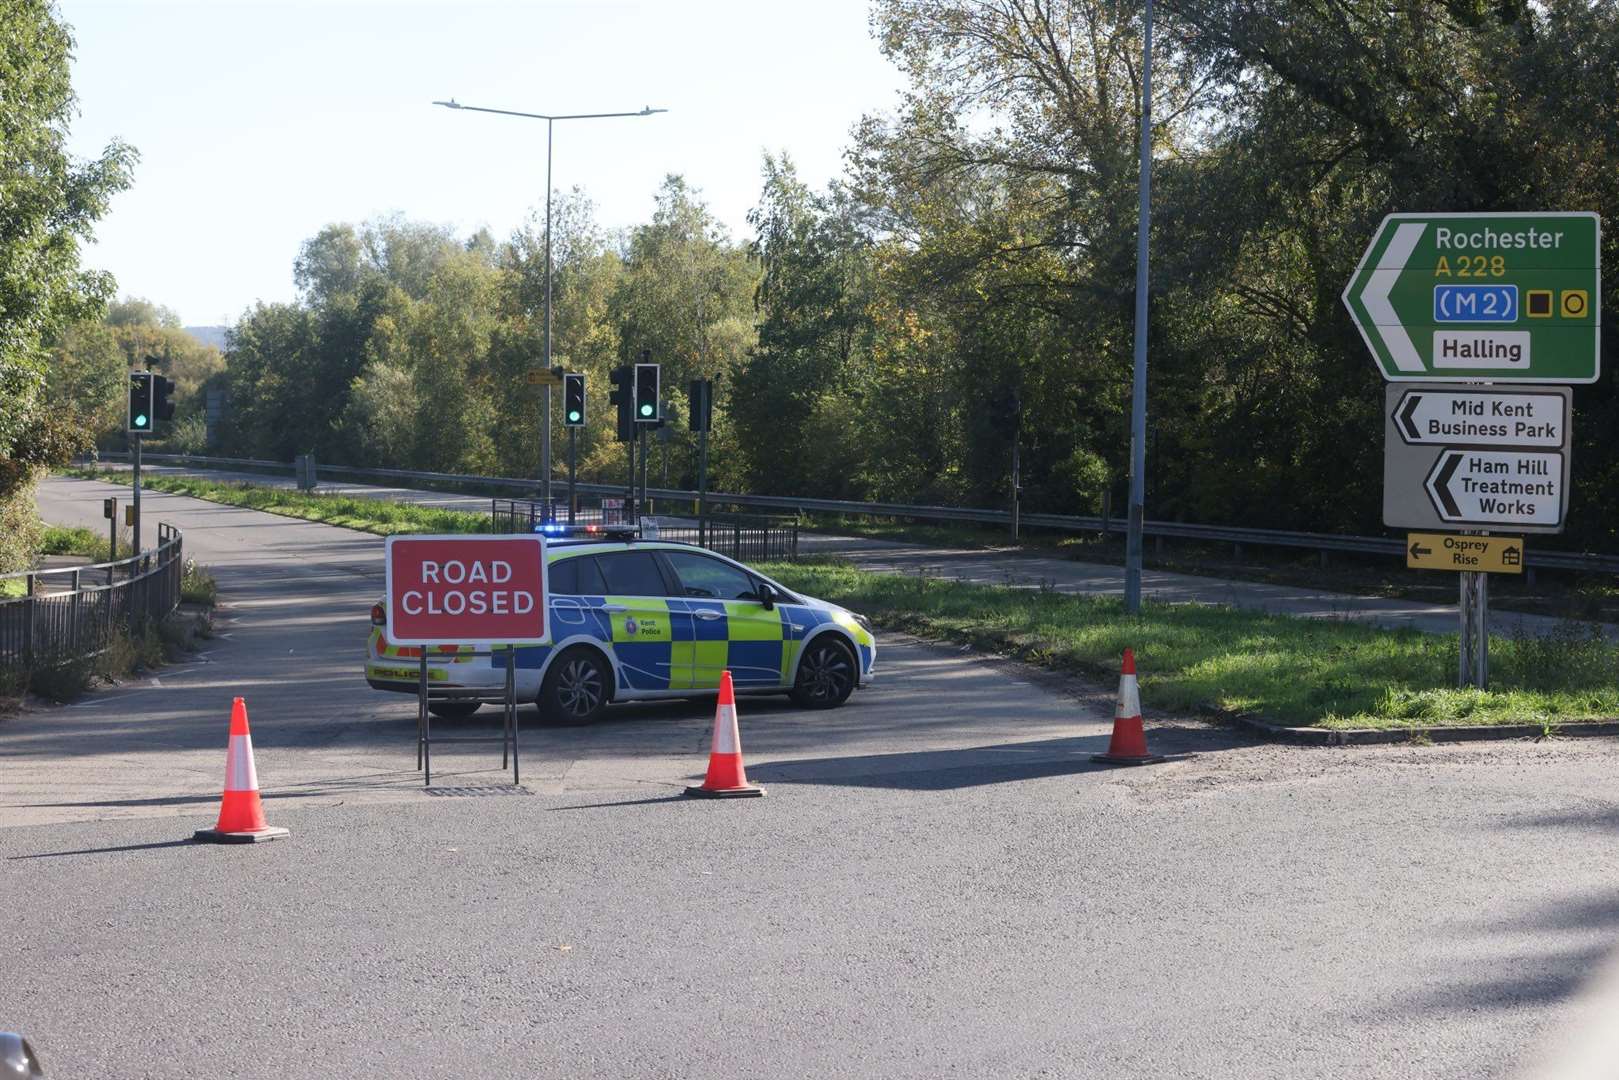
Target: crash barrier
<point>73,613</point>
<point>1238,537</point>
<point>504,695</point>
<point>744,537</point>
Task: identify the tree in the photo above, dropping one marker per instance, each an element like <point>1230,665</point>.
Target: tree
<point>49,204</point>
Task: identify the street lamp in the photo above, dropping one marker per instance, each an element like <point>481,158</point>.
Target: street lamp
<point>545,416</point>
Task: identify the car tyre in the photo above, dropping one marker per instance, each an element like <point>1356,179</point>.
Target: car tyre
<point>453,710</point>
<point>577,687</point>
<point>827,674</point>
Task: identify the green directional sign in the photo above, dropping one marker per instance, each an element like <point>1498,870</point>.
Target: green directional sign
<point>1498,297</point>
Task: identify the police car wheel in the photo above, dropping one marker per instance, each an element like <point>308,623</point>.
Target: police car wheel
<point>575,690</point>
<point>453,710</point>
<point>826,675</point>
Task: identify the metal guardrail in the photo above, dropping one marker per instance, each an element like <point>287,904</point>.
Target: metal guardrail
<point>1586,562</point>
<point>46,629</point>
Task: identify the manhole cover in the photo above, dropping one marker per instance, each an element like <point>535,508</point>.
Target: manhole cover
<point>482,789</point>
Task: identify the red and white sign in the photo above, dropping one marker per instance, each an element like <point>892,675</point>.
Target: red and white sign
<point>465,590</point>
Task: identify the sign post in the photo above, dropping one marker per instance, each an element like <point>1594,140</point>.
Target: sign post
<point>1488,298</point>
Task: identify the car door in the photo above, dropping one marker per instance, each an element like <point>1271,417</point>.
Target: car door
<point>731,628</point>
<point>636,605</point>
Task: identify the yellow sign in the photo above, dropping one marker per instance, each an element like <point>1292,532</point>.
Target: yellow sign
<point>1576,303</point>
<point>542,377</point>
<point>1445,551</point>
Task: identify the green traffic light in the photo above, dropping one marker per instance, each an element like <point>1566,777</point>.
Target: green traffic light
<point>573,417</point>
<point>140,421</point>
<point>646,410</point>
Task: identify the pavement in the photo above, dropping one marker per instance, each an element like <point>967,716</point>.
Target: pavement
<point>939,883</point>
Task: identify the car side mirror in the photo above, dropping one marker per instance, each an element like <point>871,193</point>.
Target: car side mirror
<point>17,1058</point>
<point>768,596</point>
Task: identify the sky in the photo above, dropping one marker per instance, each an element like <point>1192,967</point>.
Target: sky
<point>258,124</point>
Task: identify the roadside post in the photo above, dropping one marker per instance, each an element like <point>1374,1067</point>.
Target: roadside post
<point>700,401</point>
<point>451,593</point>
<point>1459,304</point>
<point>109,510</point>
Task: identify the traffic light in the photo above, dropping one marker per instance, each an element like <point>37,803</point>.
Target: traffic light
<point>162,398</point>
<point>573,400</point>
<point>646,393</point>
<point>701,400</point>
<point>141,417</point>
<point>623,396</point>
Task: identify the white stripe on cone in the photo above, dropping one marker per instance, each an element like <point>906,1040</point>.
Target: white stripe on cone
<point>1129,706</point>
<point>239,772</point>
<point>726,738</point>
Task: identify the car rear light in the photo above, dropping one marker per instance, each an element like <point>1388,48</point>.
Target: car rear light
<point>379,617</point>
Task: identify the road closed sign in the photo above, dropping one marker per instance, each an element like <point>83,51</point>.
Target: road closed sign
<point>464,590</point>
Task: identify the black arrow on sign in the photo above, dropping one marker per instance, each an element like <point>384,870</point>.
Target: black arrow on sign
<point>1439,483</point>
<point>1409,425</point>
<point>1418,551</point>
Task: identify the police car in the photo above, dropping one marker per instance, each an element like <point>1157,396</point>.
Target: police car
<point>633,620</point>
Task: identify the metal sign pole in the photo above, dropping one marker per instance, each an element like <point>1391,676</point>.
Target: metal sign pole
<point>1481,632</point>
<point>1463,641</point>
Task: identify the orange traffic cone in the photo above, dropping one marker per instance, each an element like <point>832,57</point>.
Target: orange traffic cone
<point>1129,743</point>
<point>241,814</point>
<point>727,779</point>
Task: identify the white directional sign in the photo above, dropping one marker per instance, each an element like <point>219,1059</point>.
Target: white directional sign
<point>1466,417</point>
<point>1497,487</point>
<point>1460,456</point>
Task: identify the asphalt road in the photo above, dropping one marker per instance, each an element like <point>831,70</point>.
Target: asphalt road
<point>939,883</point>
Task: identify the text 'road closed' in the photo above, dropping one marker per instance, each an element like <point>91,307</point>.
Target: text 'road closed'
<point>446,590</point>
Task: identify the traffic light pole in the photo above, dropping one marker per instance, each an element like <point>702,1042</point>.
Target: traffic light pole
<point>632,513</point>
<point>646,453</point>
<point>135,455</point>
<point>573,466</point>
<point>702,488</point>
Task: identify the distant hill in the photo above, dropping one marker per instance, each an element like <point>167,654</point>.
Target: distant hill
<point>209,335</point>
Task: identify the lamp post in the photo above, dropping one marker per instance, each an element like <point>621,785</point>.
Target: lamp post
<point>545,396</point>
<point>1138,388</point>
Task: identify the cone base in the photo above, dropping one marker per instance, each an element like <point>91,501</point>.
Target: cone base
<point>749,792</point>
<point>1127,759</point>
<point>256,836</point>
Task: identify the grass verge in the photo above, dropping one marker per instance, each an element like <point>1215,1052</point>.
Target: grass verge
<point>1298,672</point>
<point>367,515</point>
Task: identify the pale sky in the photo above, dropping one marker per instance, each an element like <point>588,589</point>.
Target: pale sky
<point>259,123</point>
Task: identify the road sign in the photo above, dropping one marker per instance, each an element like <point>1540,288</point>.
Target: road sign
<point>1473,417</point>
<point>466,590</point>
<point>1478,554</point>
<point>1499,297</point>
<point>1477,479</point>
<point>544,377</point>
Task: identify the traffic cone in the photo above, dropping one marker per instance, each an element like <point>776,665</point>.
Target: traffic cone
<point>726,779</point>
<point>1129,743</point>
<point>241,814</point>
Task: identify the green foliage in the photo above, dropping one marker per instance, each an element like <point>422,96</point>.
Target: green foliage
<point>48,204</point>
<point>1304,672</point>
<point>197,585</point>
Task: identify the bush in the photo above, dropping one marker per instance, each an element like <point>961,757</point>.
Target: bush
<point>197,585</point>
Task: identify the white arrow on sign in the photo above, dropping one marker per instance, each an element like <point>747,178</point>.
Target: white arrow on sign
<point>1385,321</point>
<point>1482,418</point>
<point>1497,487</point>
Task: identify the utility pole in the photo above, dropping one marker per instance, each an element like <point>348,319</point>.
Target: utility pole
<point>1138,391</point>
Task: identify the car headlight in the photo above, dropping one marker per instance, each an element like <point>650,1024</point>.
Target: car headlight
<point>865,623</point>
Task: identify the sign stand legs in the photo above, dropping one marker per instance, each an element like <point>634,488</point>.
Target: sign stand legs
<point>508,727</point>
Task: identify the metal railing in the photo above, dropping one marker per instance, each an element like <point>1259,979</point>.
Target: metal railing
<point>1239,536</point>
<point>46,627</point>
<point>744,537</point>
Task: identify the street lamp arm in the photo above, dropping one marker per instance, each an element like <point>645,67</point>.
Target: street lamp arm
<point>453,104</point>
